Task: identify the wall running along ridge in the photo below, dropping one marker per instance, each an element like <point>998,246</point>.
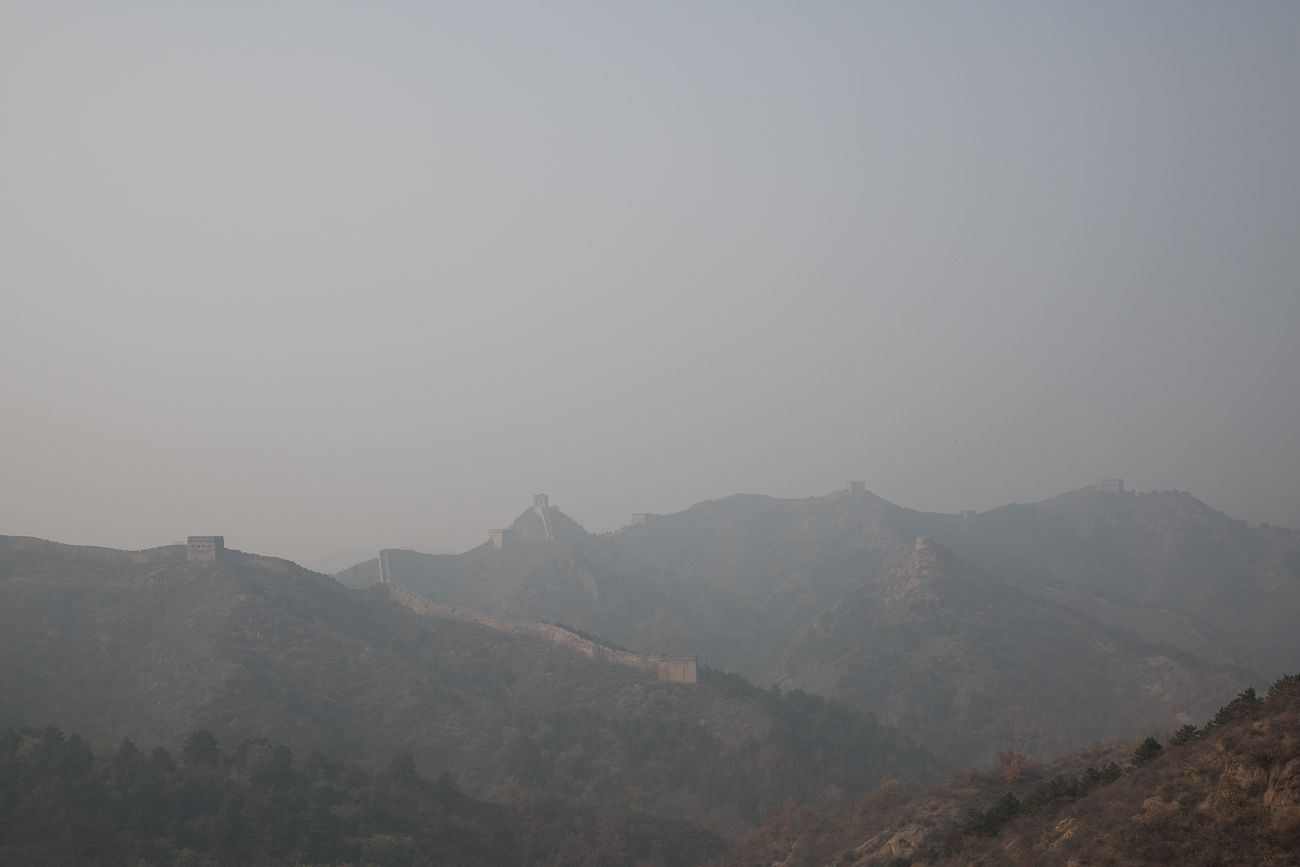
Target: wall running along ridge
<point>682,670</point>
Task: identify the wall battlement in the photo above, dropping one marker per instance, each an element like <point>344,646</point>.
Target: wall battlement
<point>205,548</point>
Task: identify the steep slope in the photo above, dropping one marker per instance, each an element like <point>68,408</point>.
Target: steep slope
<point>972,664</point>
<point>152,646</point>
<point>1228,794</point>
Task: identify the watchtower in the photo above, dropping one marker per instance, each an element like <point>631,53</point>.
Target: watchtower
<point>541,501</point>
<point>678,667</point>
<point>498,538</point>
<point>857,488</point>
<point>205,548</point>
<point>641,518</point>
<point>1116,485</point>
<point>922,541</point>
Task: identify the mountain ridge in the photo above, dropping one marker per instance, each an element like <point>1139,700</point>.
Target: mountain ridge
<point>740,579</point>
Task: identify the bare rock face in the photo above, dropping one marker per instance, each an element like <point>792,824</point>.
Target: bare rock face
<point>1282,794</point>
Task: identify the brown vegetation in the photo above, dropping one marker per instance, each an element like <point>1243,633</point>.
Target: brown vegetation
<point>1229,794</point>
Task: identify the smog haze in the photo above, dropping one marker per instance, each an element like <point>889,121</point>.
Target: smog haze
<point>315,276</point>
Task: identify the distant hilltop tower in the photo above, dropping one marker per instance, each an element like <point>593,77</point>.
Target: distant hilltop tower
<point>857,487</point>
<point>498,538</point>
<point>1116,485</point>
<point>640,517</point>
<point>205,548</point>
<point>922,541</point>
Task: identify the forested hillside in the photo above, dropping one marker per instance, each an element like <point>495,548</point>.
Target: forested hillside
<point>258,804</point>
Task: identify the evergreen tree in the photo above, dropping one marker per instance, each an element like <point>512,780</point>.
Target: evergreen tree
<point>200,749</point>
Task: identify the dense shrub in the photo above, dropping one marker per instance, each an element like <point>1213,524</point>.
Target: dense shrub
<point>1146,751</point>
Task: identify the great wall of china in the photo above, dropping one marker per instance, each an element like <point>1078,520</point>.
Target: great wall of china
<point>675,668</point>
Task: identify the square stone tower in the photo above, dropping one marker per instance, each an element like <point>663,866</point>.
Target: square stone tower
<point>678,667</point>
<point>207,548</point>
<point>541,501</point>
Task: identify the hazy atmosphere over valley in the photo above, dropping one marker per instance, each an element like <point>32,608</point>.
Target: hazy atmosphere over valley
<point>324,276</point>
<point>649,435</point>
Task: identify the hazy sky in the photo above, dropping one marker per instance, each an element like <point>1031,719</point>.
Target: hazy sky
<point>321,275</point>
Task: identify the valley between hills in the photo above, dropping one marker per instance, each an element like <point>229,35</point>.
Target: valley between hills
<point>872,666</point>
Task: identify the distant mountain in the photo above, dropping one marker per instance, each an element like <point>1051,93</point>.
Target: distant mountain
<point>152,646</point>
<point>742,580</point>
<point>731,579</point>
<point>1162,564</point>
<point>965,661</point>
